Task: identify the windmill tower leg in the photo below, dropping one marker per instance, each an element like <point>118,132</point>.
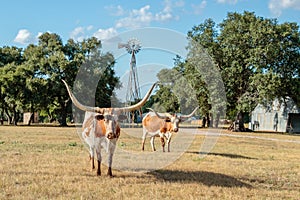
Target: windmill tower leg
<point>133,90</point>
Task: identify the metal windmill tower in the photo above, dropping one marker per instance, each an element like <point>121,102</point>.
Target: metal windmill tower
<point>133,46</point>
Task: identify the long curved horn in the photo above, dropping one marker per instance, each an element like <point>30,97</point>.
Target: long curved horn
<point>139,104</point>
<point>101,110</point>
<point>192,113</point>
<point>158,115</point>
<point>79,105</point>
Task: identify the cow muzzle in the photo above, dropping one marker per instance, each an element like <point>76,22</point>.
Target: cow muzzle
<point>111,135</point>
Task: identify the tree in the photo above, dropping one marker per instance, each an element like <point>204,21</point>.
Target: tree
<point>280,60</point>
<point>96,78</point>
<point>12,82</point>
<point>165,100</point>
<point>258,58</point>
<point>31,78</point>
<point>51,61</point>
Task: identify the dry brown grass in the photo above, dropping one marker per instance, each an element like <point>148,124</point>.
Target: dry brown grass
<point>52,163</point>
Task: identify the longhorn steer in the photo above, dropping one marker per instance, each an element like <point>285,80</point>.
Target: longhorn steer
<point>162,125</point>
<point>101,128</point>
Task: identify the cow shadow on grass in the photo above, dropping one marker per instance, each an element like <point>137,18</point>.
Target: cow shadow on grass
<point>228,155</point>
<point>206,178</point>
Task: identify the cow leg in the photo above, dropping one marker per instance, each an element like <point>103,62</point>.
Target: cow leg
<point>111,150</point>
<point>162,143</point>
<point>92,162</point>
<point>99,168</point>
<point>99,158</point>
<point>169,136</point>
<point>144,138</point>
<point>143,144</point>
<point>152,143</point>
<point>92,157</point>
<point>109,172</point>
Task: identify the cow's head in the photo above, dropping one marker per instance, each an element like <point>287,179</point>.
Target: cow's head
<point>107,123</point>
<point>107,118</point>
<point>174,119</point>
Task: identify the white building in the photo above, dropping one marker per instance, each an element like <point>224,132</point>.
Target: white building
<point>278,117</point>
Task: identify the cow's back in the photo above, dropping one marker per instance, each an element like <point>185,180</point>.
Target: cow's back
<point>152,123</point>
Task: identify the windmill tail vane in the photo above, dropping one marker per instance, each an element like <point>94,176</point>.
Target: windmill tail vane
<point>122,45</point>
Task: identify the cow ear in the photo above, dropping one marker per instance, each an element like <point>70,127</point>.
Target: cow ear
<point>99,117</point>
<point>122,117</point>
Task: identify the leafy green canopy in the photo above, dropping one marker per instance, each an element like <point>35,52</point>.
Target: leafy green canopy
<point>31,78</point>
<point>258,59</point>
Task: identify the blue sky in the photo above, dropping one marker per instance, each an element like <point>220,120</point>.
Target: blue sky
<point>23,21</point>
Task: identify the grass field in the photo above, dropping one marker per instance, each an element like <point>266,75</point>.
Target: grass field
<point>52,163</point>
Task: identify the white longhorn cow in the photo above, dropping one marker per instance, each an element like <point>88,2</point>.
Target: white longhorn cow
<point>101,128</point>
<point>162,125</point>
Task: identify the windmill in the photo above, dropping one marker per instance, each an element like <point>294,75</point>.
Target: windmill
<point>133,46</point>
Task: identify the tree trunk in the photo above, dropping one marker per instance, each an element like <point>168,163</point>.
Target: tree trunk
<point>203,122</point>
<point>8,116</point>
<point>15,117</point>
<point>207,119</point>
<point>217,120</point>
<point>63,120</point>
<point>1,117</point>
<point>211,120</point>
<point>239,123</point>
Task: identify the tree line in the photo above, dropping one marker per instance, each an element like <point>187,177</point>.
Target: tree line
<point>31,77</point>
<point>258,60</point>
<point>253,58</point>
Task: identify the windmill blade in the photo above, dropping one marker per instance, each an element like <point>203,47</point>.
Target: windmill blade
<point>122,45</point>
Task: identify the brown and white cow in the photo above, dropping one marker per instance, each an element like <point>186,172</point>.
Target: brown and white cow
<point>101,129</point>
<point>162,125</point>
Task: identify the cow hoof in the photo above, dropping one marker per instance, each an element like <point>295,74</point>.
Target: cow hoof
<point>109,172</point>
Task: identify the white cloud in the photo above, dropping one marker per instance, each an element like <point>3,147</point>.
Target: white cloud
<point>79,33</point>
<point>136,18</point>
<point>104,34</point>
<point>197,9</point>
<point>89,28</point>
<point>143,17</point>
<point>24,37</point>
<point>166,13</point>
<point>116,10</point>
<point>179,3</point>
<point>41,33</point>
<point>277,6</point>
<point>228,1</point>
